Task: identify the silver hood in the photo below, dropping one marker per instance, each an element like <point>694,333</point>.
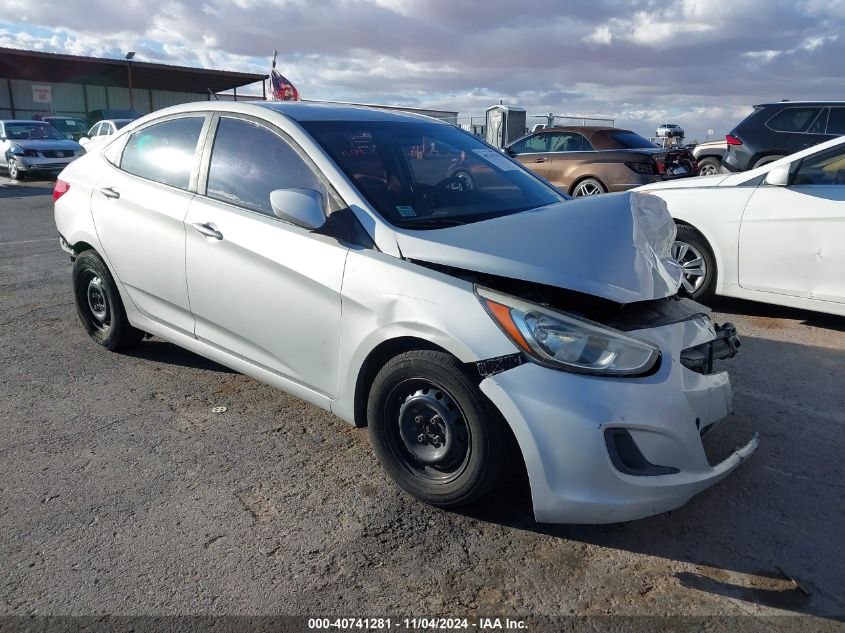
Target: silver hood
<point>47,144</point>
<point>615,246</point>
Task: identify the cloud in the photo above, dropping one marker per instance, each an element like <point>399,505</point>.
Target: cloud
<point>695,62</point>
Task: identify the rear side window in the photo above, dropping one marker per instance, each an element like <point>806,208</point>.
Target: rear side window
<point>164,152</point>
<point>793,119</point>
<point>631,140</point>
<point>537,143</point>
<point>248,161</point>
<point>836,121</point>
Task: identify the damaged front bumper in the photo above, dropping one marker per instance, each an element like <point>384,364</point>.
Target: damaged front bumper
<point>603,450</point>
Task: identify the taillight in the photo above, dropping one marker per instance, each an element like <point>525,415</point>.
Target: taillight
<point>732,140</point>
<point>648,169</point>
<point>60,189</point>
<point>660,163</point>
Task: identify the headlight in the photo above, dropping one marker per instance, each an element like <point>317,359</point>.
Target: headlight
<point>567,342</point>
<point>79,152</point>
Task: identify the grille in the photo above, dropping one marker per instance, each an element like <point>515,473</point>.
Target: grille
<point>57,153</point>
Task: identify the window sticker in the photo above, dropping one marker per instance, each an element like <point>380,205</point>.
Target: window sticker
<point>496,159</point>
<point>406,212</point>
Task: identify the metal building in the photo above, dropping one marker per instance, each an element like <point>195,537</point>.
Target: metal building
<point>40,83</point>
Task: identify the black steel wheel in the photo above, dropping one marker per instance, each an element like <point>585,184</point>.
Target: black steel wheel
<point>433,431</point>
<point>98,304</point>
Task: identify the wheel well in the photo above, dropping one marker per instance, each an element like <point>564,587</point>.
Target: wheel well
<point>375,360</point>
<point>582,179</point>
<point>79,247</point>
<point>705,156</point>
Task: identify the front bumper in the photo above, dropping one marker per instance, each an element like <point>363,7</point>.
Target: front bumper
<point>42,165</point>
<point>560,422</point>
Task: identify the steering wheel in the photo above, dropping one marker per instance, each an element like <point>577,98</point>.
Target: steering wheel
<point>457,183</point>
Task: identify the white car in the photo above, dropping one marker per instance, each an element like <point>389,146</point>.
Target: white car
<point>101,130</point>
<point>670,130</point>
<point>774,234</point>
<point>318,249</point>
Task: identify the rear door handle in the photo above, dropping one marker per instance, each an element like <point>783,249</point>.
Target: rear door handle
<point>108,192</point>
<point>207,230</point>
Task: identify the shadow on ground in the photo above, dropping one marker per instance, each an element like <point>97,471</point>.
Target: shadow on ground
<point>729,305</point>
<point>158,351</point>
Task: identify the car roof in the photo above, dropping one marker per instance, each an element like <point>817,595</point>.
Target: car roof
<point>32,121</point>
<point>299,111</point>
<point>583,128</point>
<point>790,103</point>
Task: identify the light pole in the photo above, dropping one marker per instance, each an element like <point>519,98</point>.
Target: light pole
<point>129,57</point>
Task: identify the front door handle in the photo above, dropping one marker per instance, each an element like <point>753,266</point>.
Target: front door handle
<point>207,230</point>
<point>108,192</point>
<point>541,160</point>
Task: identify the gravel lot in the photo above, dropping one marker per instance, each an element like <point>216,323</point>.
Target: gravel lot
<point>121,492</point>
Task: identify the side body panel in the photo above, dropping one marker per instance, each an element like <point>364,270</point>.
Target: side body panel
<point>385,298</point>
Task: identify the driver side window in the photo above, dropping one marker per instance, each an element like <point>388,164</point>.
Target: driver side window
<point>823,169</point>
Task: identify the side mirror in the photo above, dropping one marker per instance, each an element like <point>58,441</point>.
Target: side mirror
<point>303,207</point>
<point>778,176</point>
<point>509,151</point>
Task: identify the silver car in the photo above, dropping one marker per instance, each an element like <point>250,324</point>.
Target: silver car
<point>34,147</point>
<point>331,252</point>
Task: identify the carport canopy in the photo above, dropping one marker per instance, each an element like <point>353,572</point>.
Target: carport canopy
<point>59,68</point>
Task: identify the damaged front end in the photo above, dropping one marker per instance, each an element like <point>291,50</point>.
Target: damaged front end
<point>616,379</point>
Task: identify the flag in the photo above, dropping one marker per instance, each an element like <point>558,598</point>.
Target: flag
<point>280,88</point>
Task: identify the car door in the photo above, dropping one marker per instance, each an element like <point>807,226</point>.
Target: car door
<point>568,151</point>
<point>139,207</point>
<point>533,152</point>
<point>792,239</point>
<point>261,288</point>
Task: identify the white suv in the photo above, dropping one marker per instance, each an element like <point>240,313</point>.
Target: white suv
<point>670,130</point>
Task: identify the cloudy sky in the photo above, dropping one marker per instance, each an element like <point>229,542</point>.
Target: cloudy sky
<point>699,63</point>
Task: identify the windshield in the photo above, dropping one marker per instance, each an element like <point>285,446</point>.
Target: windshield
<point>68,125</point>
<point>31,131</point>
<point>632,140</point>
<point>429,175</point>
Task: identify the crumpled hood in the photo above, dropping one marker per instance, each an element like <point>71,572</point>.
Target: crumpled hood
<point>614,246</point>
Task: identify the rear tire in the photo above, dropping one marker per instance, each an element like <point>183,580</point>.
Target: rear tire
<point>98,304</point>
<point>434,432</point>
<point>588,187</point>
<point>709,166</point>
<point>688,249</point>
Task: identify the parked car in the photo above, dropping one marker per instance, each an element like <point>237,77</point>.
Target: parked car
<point>774,234</point>
<point>670,130</point>
<point>709,156</point>
<point>775,130</point>
<point>111,113</point>
<point>589,160</point>
<point>103,129</point>
<point>72,127</point>
<point>318,249</point>
<point>34,147</point>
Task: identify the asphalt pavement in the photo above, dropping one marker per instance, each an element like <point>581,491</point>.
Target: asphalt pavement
<point>123,492</point>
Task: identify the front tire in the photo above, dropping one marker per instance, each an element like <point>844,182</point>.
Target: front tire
<point>694,254</point>
<point>98,304</point>
<point>433,431</point>
<point>14,172</point>
<point>588,187</point>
